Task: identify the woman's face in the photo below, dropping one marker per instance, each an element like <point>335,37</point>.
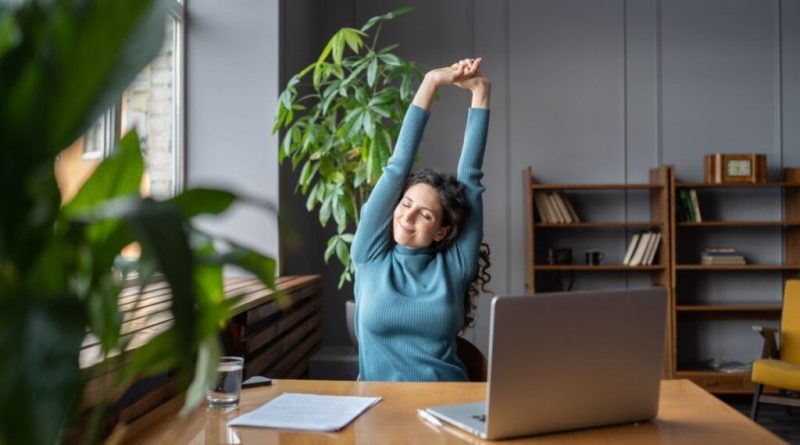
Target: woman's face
<point>417,220</point>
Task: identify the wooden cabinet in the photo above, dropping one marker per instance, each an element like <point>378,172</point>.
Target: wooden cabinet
<point>711,302</point>
<point>613,229</point>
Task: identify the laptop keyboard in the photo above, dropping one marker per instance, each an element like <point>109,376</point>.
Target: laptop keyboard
<point>480,417</point>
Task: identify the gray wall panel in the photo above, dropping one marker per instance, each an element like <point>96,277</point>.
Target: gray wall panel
<point>641,98</point>
<point>790,46</point>
<point>719,81</point>
<point>229,110</point>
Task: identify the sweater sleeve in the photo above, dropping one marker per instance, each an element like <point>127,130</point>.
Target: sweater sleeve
<point>371,237</point>
<point>465,251</point>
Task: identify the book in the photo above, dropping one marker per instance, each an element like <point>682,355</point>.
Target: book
<point>651,253</point>
<point>680,210</point>
<point>695,205</point>
<point>541,208</point>
<point>631,248</point>
<point>573,214</point>
<point>558,200</point>
<point>555,214</point>
<point>687,204</point>
<point>641,248</point>
<point>648,249</point>
<point>733,260</point>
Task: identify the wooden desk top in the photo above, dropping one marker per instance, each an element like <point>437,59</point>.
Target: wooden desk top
<point>687,415</point>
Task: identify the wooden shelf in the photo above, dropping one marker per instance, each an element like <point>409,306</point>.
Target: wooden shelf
<point>599,268</point>
<point>756,267</point>
<point>600,225</point>
<point>690,236</point>
<point>642,186</point>
<point>717,224</point>
<point>705,185</point>
<point>728,307</point>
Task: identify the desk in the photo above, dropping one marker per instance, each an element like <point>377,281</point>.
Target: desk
<point>687,415</point>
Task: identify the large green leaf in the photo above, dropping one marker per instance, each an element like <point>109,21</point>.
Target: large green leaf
<point>118,175</point>
<point>194,202</point>
<point>40,383</point>
<point>110,40</point>
<point>162,232</point>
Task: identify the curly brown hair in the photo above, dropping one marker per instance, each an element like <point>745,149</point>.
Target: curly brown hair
<point>455,211</point>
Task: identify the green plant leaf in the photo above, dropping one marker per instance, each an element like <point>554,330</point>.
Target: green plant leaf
<point>248,259</point>
<point>155,356</point>
<point>161,230</point>
<point>105,318</point>
<point>353,38</point>
<point>390,59</point>
<point>199,201</point>
<point>372,72</point>
<point>338,47</point>
<point>388,49</point>
<point>205,374</point>
<point>388,16</point>
<point>331,249</point>
<point>40,340</point>
<point>369,124</point>
<point>118,175</point>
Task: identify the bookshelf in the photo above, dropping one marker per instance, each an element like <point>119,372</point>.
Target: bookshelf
<point>538,233</point>
<point>653,213</point>
<point>705,295</point>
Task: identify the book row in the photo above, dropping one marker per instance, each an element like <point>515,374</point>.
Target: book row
<point>554,208</point>
<point>642,249</point>
<point>687,207</point>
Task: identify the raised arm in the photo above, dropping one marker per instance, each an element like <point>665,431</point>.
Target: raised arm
<point>372,237</point>
<point>469,171</point>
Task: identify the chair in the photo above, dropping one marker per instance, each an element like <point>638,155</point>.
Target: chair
<point>473,360</point>
<point>779,367</point>
<point>469,354</point>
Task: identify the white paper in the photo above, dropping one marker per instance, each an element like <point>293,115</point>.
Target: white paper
<point>307,412</point>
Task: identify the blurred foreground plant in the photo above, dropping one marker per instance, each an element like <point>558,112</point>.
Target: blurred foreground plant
<point>62,64</point>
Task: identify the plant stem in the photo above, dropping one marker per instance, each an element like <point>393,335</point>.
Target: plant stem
<point>377,32</point>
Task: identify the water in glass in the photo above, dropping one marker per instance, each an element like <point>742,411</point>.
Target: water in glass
<point>225,393</point>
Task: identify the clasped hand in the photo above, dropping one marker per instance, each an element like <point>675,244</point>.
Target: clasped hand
<point>463,74</point>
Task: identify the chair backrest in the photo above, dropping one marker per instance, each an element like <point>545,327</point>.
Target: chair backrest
<point>350,316</point>
<point>790,323</point>
<point>473,359</point>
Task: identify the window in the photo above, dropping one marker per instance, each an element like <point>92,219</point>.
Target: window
<point>153,105</point>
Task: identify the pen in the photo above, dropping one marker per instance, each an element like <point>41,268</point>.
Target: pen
<point>428,417</point>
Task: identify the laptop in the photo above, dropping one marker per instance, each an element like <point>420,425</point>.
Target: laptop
<point>568,360</point>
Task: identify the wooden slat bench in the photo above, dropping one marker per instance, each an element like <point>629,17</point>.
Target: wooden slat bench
<point>276,331</point>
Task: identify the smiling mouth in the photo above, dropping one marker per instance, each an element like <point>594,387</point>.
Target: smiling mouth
<point>405,228</point>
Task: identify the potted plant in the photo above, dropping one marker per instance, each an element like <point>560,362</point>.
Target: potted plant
<point>62,64</point>
<point>340,116</point>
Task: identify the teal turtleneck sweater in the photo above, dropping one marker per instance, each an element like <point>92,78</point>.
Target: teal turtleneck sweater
<point>410,303</point>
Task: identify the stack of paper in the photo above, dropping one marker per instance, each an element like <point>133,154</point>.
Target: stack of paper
<point>306,412</point>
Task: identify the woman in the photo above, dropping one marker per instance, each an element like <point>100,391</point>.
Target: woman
<point>417,247</point>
